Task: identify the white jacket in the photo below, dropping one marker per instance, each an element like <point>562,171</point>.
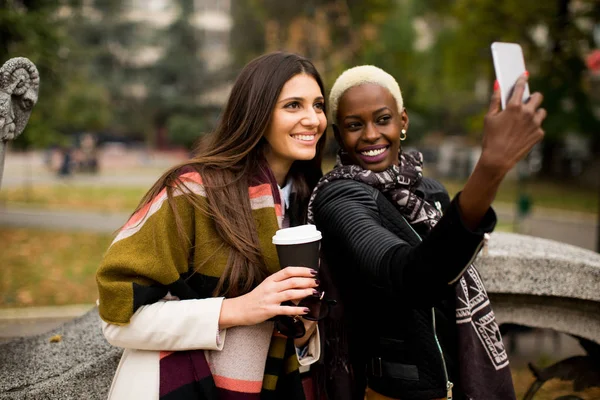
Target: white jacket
<point>184,325</point>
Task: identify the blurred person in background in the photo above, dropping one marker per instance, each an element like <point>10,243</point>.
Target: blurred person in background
<point>192,282</point>
<point>66,162</point>
<point>413,320</point>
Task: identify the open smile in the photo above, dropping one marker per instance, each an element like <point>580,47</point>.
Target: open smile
<point>305,137</point>
<point>373,154</point>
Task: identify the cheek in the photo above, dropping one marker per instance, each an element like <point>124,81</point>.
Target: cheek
<point>322,123</point>
<point>348,142</point>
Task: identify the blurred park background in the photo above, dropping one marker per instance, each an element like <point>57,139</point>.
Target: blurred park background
<point>128,87</point>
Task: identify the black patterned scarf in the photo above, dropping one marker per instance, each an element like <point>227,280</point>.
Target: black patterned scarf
<point>483,362</point>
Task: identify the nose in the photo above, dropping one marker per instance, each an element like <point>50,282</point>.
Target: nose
<point>370,133</point>
<point>311,119</point>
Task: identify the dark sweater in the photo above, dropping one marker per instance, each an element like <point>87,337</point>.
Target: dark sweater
<point>390,282</point>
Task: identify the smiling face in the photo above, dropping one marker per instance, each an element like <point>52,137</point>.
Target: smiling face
<point>297,124</point>
<point>369,126</point>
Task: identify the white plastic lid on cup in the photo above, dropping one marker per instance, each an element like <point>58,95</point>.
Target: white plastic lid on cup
<point>297,235</point>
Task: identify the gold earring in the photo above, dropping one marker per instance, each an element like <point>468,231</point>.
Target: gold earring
<point>403,135</point>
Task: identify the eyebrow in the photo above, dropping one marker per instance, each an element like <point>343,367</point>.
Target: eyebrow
<point>374,112</point>
<point>299,99</point>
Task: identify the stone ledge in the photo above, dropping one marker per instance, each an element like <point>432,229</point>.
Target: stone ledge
<point>572,316</point>
<point>520,264</point>
<point>80,366</point>
<point>37,313</point>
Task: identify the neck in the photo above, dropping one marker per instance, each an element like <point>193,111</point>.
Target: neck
<point>280,169</point>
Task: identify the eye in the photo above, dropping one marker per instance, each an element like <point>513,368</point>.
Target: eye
<point>384,119</point>
<point>293,105</point>
<point>353,126</point>
<point>320,105</point>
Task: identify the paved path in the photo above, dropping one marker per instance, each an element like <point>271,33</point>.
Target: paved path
<point>30,321</point>
<point>62,220</point>
<point>569,227</point>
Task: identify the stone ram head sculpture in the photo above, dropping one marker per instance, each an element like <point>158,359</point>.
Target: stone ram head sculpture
<point>19,85</point>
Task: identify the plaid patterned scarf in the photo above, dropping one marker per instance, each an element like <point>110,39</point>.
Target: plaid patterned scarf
<point>479,340</point>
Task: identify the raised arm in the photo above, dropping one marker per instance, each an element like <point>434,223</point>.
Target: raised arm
<point>362,228</point>
<point>508,136</point>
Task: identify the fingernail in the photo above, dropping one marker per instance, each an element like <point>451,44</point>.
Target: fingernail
<point>316,292</point>
<point>306,310</point>
<point>318,282</point>
<point>313,272</point>
<point>496,85</point>
<point>526,73</point>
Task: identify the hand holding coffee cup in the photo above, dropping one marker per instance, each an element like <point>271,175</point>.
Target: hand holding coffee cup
<point>299,246</point>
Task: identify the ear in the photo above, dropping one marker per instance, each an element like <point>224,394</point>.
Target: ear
<point>404,119</point>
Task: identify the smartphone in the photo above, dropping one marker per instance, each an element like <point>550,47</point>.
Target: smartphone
<point>509,65</point>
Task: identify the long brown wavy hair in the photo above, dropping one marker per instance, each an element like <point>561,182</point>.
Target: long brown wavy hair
<point>227,159</point>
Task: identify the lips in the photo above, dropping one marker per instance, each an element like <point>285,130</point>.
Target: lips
<point>305,137</point>
<point>373,154</point>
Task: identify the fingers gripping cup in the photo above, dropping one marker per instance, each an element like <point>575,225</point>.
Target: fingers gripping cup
<point>299,247</point>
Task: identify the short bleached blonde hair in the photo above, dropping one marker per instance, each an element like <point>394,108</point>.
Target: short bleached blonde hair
<point>360,75</point>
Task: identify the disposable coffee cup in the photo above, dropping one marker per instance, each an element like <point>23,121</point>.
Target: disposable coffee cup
<point>298,246</point>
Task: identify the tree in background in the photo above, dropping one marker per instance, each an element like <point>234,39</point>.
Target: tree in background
<point>36,30</point>
<point>556,37</point>
<point>439,50</point>
<point>155,75</point>
<point>177,80</point>
<point>108,46</point>
<point>328,31</point>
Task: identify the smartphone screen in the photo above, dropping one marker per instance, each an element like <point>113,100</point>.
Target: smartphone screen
<point>509,65</point>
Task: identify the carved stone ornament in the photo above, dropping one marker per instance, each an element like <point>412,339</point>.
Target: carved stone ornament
<point>19,86</point>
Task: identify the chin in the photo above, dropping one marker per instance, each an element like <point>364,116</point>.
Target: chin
<point>382,166</point>
<point>305,156</point>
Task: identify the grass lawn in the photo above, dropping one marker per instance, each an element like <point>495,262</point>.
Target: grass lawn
<point>543,194</point>
<point>45,268</point>
<point>80,198</point>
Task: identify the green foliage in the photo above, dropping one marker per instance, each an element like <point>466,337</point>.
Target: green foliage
<point>179,76</point>
<point>83,106</point>
<point>31,33</point>
<point>184,130</point>
<point>437,49</point>
<point>68,99</point>
<point>555,41</point>
<point>248,31</point>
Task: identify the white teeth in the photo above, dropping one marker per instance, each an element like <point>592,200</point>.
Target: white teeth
<point>306,138</point>
<point>372,153</point>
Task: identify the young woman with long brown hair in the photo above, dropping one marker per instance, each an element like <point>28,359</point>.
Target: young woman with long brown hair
<point>191,284</point>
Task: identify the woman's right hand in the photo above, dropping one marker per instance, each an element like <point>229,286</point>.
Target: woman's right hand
<point>264,302</point>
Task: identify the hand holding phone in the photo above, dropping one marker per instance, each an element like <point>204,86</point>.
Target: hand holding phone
<point>509,65</point>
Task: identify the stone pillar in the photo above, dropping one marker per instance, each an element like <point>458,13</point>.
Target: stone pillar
<point>19,86</point>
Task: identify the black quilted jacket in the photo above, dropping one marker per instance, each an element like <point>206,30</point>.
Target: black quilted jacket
<point>398,305</point>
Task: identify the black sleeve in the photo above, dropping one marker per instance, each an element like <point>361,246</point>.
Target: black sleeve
<point>353,221</point>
